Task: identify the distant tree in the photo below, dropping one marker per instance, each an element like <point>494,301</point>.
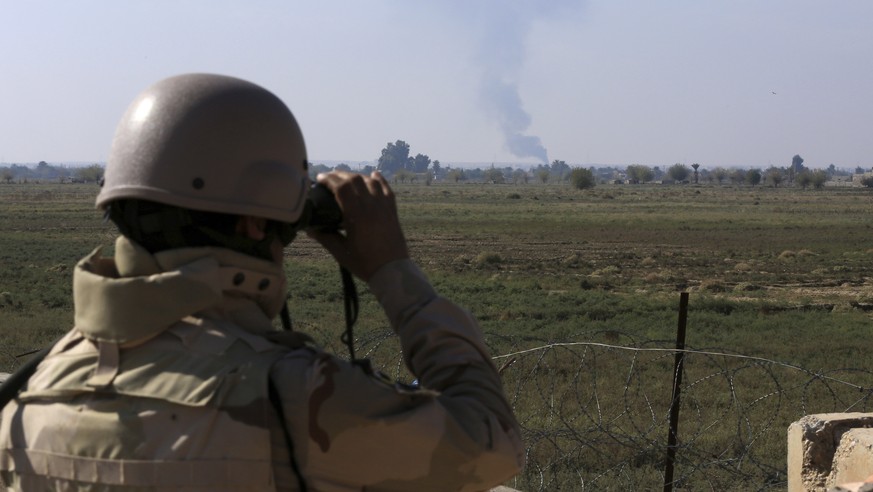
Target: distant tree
<point>679,172</point>
<point>774,176</point>
<point>420,163</point>
<point>803,179</point>
<point>62,173</point>
<point>753,177</point>
<point>832,169</point>
<point>368,169</point>
<point>90,174</point>
<point>435,166</point>
<point>819,178</point>
<point>43,170</point>
<point>474,174</point>
<point>543,175</point>
<point>507,172</point>
<point>695,166</point>
<point>493,175</point>
<point>403,175</point>
<point>316,169</point>
<point>560,169</point>
<point>582,178</point>
<point>709,176</point>
<point>342,167</point>
<point>456,175</point>
<point>738,176</point>
<point>645,174</point>
<point>7,175</point>
<point>395,157</point>
<point>427,176</point>
<point>867,181</point>
<point>720,174</point>
<point>520,176</point>
<point>637,173</point>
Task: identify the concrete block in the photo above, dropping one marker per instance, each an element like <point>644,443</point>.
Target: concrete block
<point>813,442</point>
<point>853,461</point>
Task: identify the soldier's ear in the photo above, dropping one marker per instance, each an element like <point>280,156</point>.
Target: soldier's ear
<point>252,227</point>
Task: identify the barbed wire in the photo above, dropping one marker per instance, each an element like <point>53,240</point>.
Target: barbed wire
<point>676,350</point>
<point>596,415</point>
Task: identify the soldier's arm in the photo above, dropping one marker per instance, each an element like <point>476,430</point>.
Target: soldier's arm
<point>457,432</point>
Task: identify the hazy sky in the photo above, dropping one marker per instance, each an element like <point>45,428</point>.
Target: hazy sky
<point>615,82</point>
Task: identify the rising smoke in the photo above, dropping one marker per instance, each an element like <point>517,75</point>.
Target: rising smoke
<point>503,104</point>
<point>503,28</point>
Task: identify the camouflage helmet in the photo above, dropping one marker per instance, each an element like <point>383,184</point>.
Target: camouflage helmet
<point>210,143</point>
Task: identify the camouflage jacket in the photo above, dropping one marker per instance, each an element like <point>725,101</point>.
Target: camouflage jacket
<point>165,383</point>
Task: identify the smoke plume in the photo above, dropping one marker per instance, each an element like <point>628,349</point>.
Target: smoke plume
<point>503,104</point>
<point>498,31</point>
<point>503,28</point>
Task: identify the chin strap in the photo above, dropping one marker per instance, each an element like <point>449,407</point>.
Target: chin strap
<point>285,316</point>
<point>350,303</point>
<point>350,306</point>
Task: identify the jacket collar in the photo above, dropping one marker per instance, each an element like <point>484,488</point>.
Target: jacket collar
<point>137,295</point>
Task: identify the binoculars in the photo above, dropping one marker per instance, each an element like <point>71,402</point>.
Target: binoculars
<point>322,212</point>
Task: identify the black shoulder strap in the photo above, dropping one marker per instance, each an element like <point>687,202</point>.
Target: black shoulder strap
<point>10,388</point>
<point>277,404</point>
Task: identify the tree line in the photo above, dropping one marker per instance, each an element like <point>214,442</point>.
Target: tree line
<point>399,164</point>
<point>795,174</point>
<point>397,161</point>
<point>45,172</point>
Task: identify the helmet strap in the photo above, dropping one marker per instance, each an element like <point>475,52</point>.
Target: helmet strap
<point>158,227</point>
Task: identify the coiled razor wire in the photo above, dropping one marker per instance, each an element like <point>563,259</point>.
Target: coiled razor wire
<point>594,415</point>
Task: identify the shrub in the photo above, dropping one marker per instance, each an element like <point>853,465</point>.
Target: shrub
<point>747,287</point>
<point>652,278</point>
<point>484,260</point>
<point>607,270</point>
<point>573,260</point>
<point>787,255</point>
<point>712,286</point>
<point>582,178</point>
<point>590,283</point>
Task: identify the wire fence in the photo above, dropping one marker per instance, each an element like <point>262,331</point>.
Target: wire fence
<point>595,414</point>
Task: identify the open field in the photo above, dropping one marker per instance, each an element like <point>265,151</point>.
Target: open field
<point>577,292</point>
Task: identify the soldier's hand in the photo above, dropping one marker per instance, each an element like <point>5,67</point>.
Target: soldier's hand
<point>372,234</point>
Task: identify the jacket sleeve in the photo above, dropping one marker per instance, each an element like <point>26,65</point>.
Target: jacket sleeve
<point>353,430</point>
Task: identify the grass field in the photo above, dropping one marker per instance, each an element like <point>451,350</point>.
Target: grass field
<point>573,288</point>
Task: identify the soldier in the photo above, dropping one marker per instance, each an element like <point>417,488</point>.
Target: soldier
<point>173,376</point>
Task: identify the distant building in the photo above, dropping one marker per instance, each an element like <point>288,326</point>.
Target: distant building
<point>857,179</point>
